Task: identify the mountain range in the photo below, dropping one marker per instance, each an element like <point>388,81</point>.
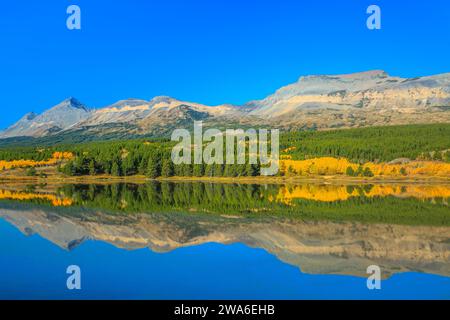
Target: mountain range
<point>313,102</point>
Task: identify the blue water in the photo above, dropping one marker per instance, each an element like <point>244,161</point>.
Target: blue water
<point>33,268</point>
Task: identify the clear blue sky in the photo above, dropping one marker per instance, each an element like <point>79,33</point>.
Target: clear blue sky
<point>208,51</point>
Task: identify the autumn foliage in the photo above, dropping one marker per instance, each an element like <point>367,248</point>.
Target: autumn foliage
<point>342,166</point>
<point>55,159</point>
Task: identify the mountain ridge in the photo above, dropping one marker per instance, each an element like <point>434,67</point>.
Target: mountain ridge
<point>312,102</point>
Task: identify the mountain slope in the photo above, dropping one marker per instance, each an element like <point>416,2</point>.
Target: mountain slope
<point>60,117</point>
<point>128,110</point>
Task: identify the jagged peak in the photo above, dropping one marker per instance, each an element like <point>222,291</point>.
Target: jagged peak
<point>70,102</point>
<point>29,116</point>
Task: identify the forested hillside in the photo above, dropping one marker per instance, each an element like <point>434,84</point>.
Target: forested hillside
<point>152,157</point>
<point>371,144</point>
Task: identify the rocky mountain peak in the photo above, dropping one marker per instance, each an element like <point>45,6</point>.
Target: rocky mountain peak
<point>29,116</point>
<point>60,117</point>
<point>70,102</point>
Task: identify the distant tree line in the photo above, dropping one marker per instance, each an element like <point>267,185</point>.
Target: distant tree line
<point>140,158</point>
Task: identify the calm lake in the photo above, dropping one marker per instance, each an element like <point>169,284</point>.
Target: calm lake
<point>185,240</point>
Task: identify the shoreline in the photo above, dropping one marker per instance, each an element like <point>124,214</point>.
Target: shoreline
<point>139,179</point>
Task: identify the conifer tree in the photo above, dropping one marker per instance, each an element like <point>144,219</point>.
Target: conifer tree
<point>350,172</point>
<point>92,170</point>
<point>115,169</point>
<point>167,168</point>
<point>153,167</point>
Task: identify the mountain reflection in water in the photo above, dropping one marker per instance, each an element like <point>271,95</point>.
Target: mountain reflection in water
<point>322,229</point>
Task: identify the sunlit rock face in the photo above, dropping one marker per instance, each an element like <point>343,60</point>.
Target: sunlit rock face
<point>360,99</point>
<point>373,89</point>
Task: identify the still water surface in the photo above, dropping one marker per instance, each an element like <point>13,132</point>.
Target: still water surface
<point>224,241</point>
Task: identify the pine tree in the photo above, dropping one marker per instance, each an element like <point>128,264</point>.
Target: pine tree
<point>142,166</point>
<point>115,169</point>
<point>360,171</point>
<point>128,166</point>
<point>218,170</point>
<point>81,164</point>
<point>367,172</point>
<point>187,170</point>
<point>350,172</point>
<point>92,170</point>
<point>153,168</point>
<point>250,170</point>
<point>178,170</point>
<point>240,170</point>
<point>69,169</point>
<point>167,169</point>
<point>198,170</point>
<point>230,170</point>
<point>209,170</point>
